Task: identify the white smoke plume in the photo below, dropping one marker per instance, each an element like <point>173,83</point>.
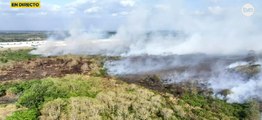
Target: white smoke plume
<point>241,89</point>
<point>213,31</point>
<point>217,72</point>
<point>169,27</point>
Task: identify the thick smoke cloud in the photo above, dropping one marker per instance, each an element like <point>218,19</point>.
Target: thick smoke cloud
<point>169,27</point>
<point>214,30</point>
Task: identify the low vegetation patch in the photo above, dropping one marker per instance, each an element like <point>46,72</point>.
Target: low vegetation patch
<point>85,97</point>
<point>14,56</point>
<point>22,36</point>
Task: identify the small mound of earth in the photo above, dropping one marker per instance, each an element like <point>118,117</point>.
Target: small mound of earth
<point>49,67</point>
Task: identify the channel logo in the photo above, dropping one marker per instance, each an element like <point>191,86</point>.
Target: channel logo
<point>248,10</point>
<point>25,4</point>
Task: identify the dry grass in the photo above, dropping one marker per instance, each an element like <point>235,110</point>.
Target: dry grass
<point>6,110</point>
<point>117,101</point>
<point>84,97</point>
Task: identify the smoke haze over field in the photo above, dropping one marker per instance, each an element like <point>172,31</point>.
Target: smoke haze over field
<point>217,72</point>
<point>169,27</point>
<point>214,30</point>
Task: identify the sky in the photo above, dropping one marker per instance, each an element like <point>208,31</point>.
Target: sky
<point>101,14</point>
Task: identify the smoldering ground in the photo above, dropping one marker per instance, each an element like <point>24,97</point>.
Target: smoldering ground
<point>220,34</point>
<point>213,30</point>
<point>234,73</point>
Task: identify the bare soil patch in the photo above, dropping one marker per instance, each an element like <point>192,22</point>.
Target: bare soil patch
<point>49,67</point>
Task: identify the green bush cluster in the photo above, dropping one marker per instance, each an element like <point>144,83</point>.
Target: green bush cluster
<point>211,105</point>
<point>52,88</point>
<point>36,92</point>
<point>19,55</point>
<point>115,104</point>
<point>30,114</point>
<point>16,87</point>
<point>85,97</point>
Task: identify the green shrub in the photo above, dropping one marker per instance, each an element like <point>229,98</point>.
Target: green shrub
<point>251,111</point>
<point>10,87</point>
<point>78,96</point>
<point>3,60</point>
<point>53,88</point>
<point>30,114</point>
<point>34,96</point>
<point>15,55</point>
<point>194,100</point>
<point>13,90</point>
<point>214,105</point>
<point>2,92</point>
